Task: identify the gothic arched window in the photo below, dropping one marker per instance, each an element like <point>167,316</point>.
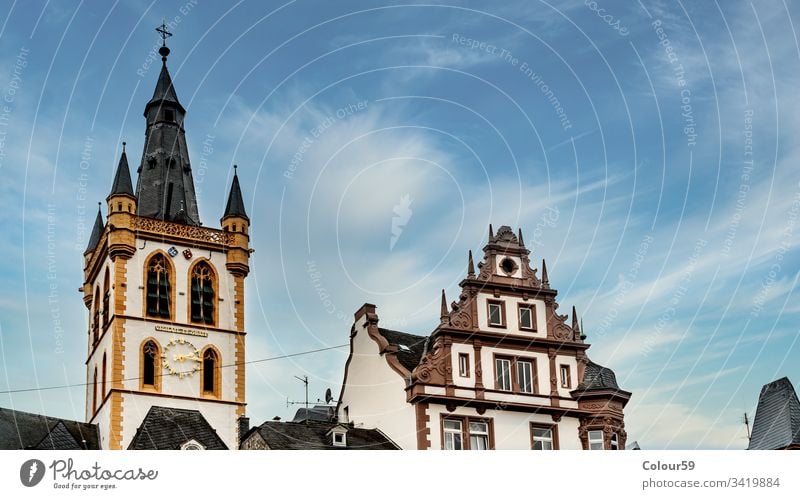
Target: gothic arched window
<point>202,295</point>
<point>94,392</point>
<point>96,316</point>
<point>103,384</point>
<point>210,378</point>
<point>106,299</point>
<point>150,365</point>
<point>158,288</point>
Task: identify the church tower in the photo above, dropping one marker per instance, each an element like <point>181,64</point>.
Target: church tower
<point>165,297</point>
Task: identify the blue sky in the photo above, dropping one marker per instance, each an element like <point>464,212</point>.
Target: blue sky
<point>648,151</point>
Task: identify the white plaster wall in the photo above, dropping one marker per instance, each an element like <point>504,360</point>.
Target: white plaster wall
<point>96,359</point>
<point>512,316</point>
<point>511,429</point>
<point>573,373</point>
<point>135,278</point>
<point>499,271</point>
<point>136,331</point>
<point>222,417</point>
<point>375,393</point>
<point>103,420</point>
<point>458,380</point>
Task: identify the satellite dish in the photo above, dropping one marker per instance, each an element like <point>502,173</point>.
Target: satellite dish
<point>328,396</point>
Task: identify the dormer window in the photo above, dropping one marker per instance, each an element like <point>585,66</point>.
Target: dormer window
<point>339,439</point>
<point>192,445</point>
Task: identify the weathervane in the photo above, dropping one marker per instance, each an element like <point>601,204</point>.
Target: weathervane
<point>164,50</point>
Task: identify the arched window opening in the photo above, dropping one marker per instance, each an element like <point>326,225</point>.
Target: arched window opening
<point>96,316</point>
<point>106,298</point>
<point>94,392</point>
<point>103,384</point>
<point>202,296</point>
<point>210,378</point>
<point>158,287</point>
<point>149,364</point>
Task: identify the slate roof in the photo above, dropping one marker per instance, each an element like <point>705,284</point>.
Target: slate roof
<point>597,377</point>
<point>25,430</point>
<point>314,436</point>
<point>97,231</point>
<point>323,413</point>
<point>235,206</point>
<point>164,91</point>
<point>122,179</point>
<point>777,421</point>
<point>165,428</point>
<point>416,346</point>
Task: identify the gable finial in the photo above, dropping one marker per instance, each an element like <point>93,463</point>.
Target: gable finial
<point>521,242</point>
<point>545,280</point>
<point>444,316</point>
<point>470,266</point>
<point>164,50</point>
<point>491,233</point>
<point>123,147</point>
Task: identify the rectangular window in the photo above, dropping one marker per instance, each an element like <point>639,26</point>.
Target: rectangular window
<point>525,376</point>
<point>463,365</point>
<point>542,438</point>
<point>502,369</point>
<point>614,441</point>
<point>464,433</point>
<point>526,318</point>
<point>596,440</point>
<point>497,314</point>
<point>453,438</point>
<point>566,381</point>
<point>478,435</point>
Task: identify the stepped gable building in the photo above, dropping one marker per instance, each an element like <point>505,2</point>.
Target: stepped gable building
<point>502,370</point>
<point>165,296</point>
<point>777,422</point>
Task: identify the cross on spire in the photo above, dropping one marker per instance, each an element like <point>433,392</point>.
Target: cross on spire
<point>162,30</point>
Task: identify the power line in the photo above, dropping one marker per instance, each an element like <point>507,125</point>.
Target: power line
<point>266,359</point>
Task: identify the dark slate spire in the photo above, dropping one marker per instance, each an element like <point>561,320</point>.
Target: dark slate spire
<point>122,180</point>
<point>545,280</point>
<point>97,231</point>
<point>470,266</point>
<point>235,206</point>
<point>165,188</point>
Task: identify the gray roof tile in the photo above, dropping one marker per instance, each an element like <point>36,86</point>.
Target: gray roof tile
<point>165,428</point>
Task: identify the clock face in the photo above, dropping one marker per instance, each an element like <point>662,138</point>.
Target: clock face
<point>181,358</point>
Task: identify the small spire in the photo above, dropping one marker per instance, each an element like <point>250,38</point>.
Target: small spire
<point>470,266</point>
<point>97,231</point>
<point>444,316</point>
<point>575,324</point>
<point>521,242</point>
<point>545,280</point>
<point>491,233</point>
<point>122,179</point>
<point>235,206</point>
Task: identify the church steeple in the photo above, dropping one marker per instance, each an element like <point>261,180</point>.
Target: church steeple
<point>165,189</point>
<point>122,179</point>
<point>235,205</point>
<point>97,231</point>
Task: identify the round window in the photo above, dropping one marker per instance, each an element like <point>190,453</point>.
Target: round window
<point>508,265</point>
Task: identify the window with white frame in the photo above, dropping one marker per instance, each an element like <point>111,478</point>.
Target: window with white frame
<point>526,320</point>
<point>542,438</point>
<point>496,314</point>
<point>614,441</point>
<point>478,435</point>
<point>566,381</point>
<point>596,440</point>
<point>502,369</point>
<point>525,376</point>
<point>453,434</point>
<point>339,439</point>
<point>463,365</point>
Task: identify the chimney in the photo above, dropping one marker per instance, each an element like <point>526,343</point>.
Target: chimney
<point>244,427</point>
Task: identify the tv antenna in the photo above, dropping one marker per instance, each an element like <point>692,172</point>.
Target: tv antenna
<point>747,425</point>
<point>304,380</point>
